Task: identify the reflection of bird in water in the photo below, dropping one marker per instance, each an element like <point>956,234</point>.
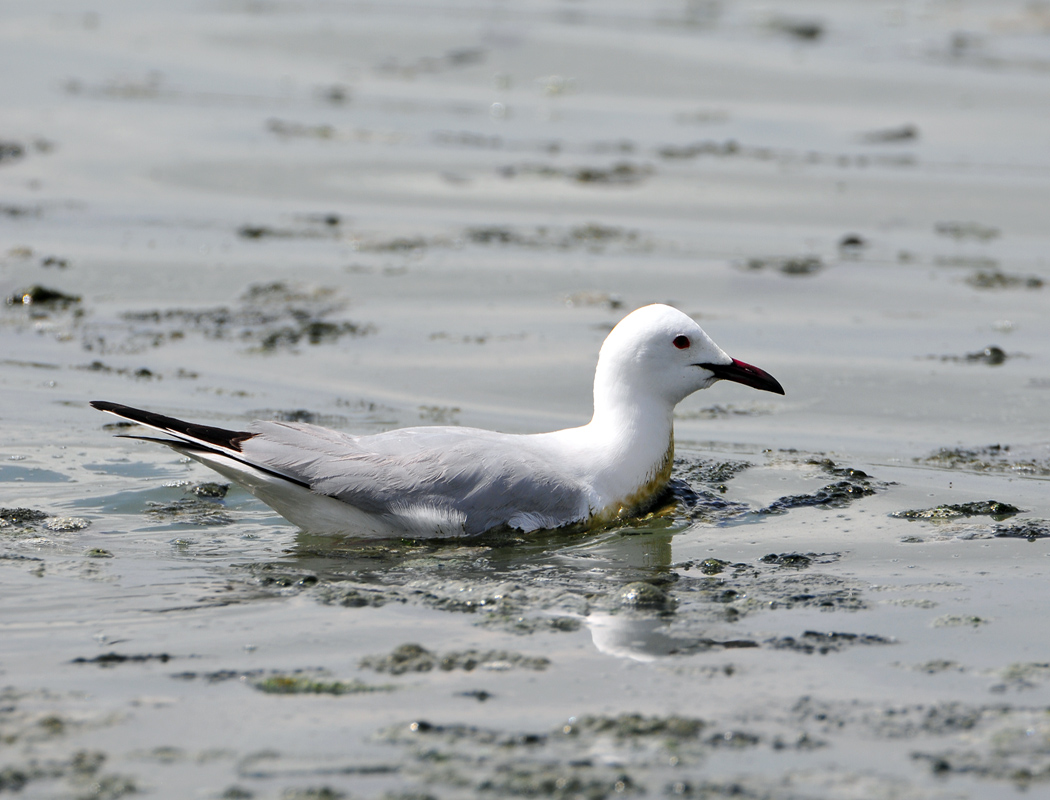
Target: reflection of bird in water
<point>447,481</point>
<point>638,637</point>
<point>636,625</point>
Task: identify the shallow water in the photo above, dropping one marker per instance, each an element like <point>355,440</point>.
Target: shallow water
<point>370,216</point>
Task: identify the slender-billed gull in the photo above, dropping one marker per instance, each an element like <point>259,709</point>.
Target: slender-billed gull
<point>449,481</point>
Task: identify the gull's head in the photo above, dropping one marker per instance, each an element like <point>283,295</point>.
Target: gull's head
<point>657,351</point>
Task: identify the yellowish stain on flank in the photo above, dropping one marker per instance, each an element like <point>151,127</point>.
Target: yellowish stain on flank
<point>630,505</point>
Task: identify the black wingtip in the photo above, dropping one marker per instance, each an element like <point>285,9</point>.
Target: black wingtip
<point>219,437</point>
<point>113,408</point>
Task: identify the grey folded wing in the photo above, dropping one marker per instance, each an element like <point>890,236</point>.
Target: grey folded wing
<point>480,479</point>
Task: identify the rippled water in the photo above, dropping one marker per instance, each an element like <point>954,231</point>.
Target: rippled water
<point>376,215</point>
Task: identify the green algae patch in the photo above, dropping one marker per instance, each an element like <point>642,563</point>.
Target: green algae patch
<point>990,508</point>
<point>588,756</point>
<point>960,230</point>
<point>405,658</point>
<point>269,317</point>
<point>636,726</point>
<point>939,665</point>
<point>1021,676</point>
<point>302,684</point>
<point>80,773</point>
<point>787,265</point>
<point>493,660</point>
<point>415,658</point>
<point>313,793</point>
<point>990,741</point>
<point>188,511</point>
<point>591,236</point>
<point>1006,743</point>
<point>960,621</point>
<point>712,566</point>
<point>995,458</point>
<point>559,782</point>
<point>996,279</point>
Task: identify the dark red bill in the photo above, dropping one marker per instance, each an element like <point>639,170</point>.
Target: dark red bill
<point>739,372</point>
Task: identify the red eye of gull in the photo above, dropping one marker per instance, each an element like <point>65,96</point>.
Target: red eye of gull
<point>681,342</point>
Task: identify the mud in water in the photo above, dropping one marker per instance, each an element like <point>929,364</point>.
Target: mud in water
<point>362,218</point>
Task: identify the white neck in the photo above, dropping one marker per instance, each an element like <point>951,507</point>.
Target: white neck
<point>635,436</point>
<point>627,444</point>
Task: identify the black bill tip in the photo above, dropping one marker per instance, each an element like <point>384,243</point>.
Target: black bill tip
<point>739,372</point>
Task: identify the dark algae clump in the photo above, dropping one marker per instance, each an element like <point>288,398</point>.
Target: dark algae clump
<point>707,471</point>
<point>20,516</point>
<point>992,356</point>
<point>42,296</point>
<point>113,659</point>
<point>853,485</point>
<point>11,151</point>
<point>1030,529</point>
<point>792,560</point>
<point>989,508</point>
<point>824,643</point>
<point>213,491</point>
<point>834,495</point>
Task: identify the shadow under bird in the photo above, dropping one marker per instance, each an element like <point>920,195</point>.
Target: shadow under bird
<point>450,481</point>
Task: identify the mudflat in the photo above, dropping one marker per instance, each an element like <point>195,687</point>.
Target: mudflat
<point>369,216</point>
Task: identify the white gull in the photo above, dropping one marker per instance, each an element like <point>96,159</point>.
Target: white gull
<point>449,481</point>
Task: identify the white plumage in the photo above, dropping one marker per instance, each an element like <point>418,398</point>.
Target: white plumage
<point>450,481</point>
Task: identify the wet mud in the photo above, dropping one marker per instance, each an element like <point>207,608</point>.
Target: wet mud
<point>787,265</point>
<point>358,218</point>
<point>990,508</point>
<point>995,458</point>
<point>622,173</point>
<point>269,317</point>
<point>994,279</point>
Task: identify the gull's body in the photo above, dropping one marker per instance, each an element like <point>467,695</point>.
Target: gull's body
<point>450,481</point>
